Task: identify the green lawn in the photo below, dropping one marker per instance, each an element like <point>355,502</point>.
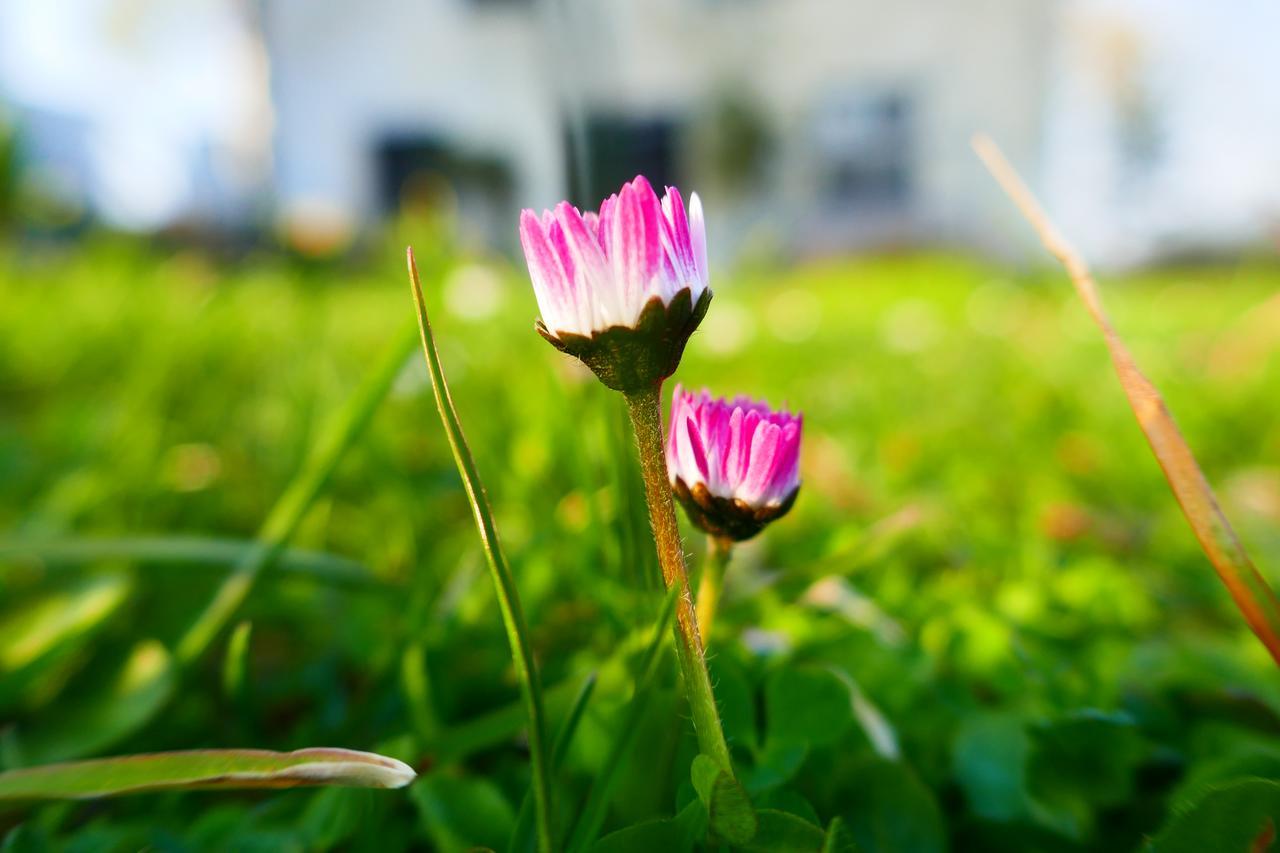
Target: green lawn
<point>985,623</point>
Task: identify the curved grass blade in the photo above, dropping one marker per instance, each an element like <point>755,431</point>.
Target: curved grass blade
<point>41,643</point>
<point>503,581</point>
<point>565,736</point>
<point>131,694</point>
<point>1252,595</point>
<point>203,769</point>
<point>184,550</point>
<point>521,836</point>
<point>591,818</point>
<point>235,663</point>
<point>338,435</point>
<point>456,743</point>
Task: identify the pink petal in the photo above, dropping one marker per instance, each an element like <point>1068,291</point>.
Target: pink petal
<point>764,461</point>
<point>698,238</point>
<point>556,236</point>
<point>550,283</point>
<point>697,454</point>
<point>604,231</point>
<point>635,245</point>
<point>582,248</point>
<point>673,429</point>
<point>673,208</point>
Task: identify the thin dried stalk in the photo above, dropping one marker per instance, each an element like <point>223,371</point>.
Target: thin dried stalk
<point>1251,593</point>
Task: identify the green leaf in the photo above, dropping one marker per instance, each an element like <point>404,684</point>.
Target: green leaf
<point>335,815</point>
<point>462,812</point>
<point>670,835</point>
<point>790,801</point>
<point>891,811</point>
<point>993,753</point>
<point>729,810</point>
<point>1231,756</point>
<point>130,696</point>
<point>776,764</point>
<point>838,839</point>
<point>780,832</point>
<point>1087,757</point>
<point>203,769</point>
<point>504,583</point>
<point>990,756</point>
<point>1232,817</point>
<point>807,705</point>
<point>666,835</point>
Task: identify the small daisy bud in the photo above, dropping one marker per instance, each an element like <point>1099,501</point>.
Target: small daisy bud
<point>734,465</point>
<point>623,289</point>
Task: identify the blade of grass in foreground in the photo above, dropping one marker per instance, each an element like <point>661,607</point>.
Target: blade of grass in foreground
<point>503,582</point>
<point>592,816</point>
<point>209,552</point>
<point>337,436</point>
<point>1251,593</point>
<point>202,769</point>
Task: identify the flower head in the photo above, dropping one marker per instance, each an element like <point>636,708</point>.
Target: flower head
<point>734,464</point>
<point>622,289</point>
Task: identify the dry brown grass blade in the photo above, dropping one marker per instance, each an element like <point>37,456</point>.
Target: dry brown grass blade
<point>1251,593</point>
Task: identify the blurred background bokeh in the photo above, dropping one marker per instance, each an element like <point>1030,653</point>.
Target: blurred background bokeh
<point>1150,125</point>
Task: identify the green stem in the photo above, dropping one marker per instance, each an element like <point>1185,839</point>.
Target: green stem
<point>503,581</point>
<point>719,549</point>
<point>645,408</point>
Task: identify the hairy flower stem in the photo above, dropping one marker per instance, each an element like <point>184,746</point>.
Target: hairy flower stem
<point>719,549</point>
<point>646,418</point>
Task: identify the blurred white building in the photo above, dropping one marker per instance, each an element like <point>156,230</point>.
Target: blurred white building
<point>144,112</point>
<point>1148,125</point>
<point>816,123</point>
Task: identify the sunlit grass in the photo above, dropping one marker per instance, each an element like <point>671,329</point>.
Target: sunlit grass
<point>1003,539</point>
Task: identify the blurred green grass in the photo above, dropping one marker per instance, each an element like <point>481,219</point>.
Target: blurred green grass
<point>981,528</point>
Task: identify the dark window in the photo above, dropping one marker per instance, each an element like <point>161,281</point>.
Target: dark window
<point>864,150</point>
<point>607,151</point>
<point>408,160</point>
<point>411,166</point>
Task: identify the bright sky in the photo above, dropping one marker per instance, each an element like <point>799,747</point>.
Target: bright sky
<point>159,83</point>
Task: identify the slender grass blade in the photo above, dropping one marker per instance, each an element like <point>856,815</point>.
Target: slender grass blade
<point>503,581</point>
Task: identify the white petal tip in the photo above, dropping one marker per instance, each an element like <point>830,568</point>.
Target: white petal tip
<point>398,774</point>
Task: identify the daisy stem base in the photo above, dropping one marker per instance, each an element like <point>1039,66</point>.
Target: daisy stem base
<point>645,407</point>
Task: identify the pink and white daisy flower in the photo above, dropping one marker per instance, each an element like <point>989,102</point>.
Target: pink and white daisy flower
<point>734,464</point>
<point>624,288</point>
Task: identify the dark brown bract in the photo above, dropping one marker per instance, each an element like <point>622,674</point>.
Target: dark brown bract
<point>632,358</point>
<point>732,518</point>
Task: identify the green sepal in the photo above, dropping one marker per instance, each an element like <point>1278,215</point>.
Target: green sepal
<point>632,358</point>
